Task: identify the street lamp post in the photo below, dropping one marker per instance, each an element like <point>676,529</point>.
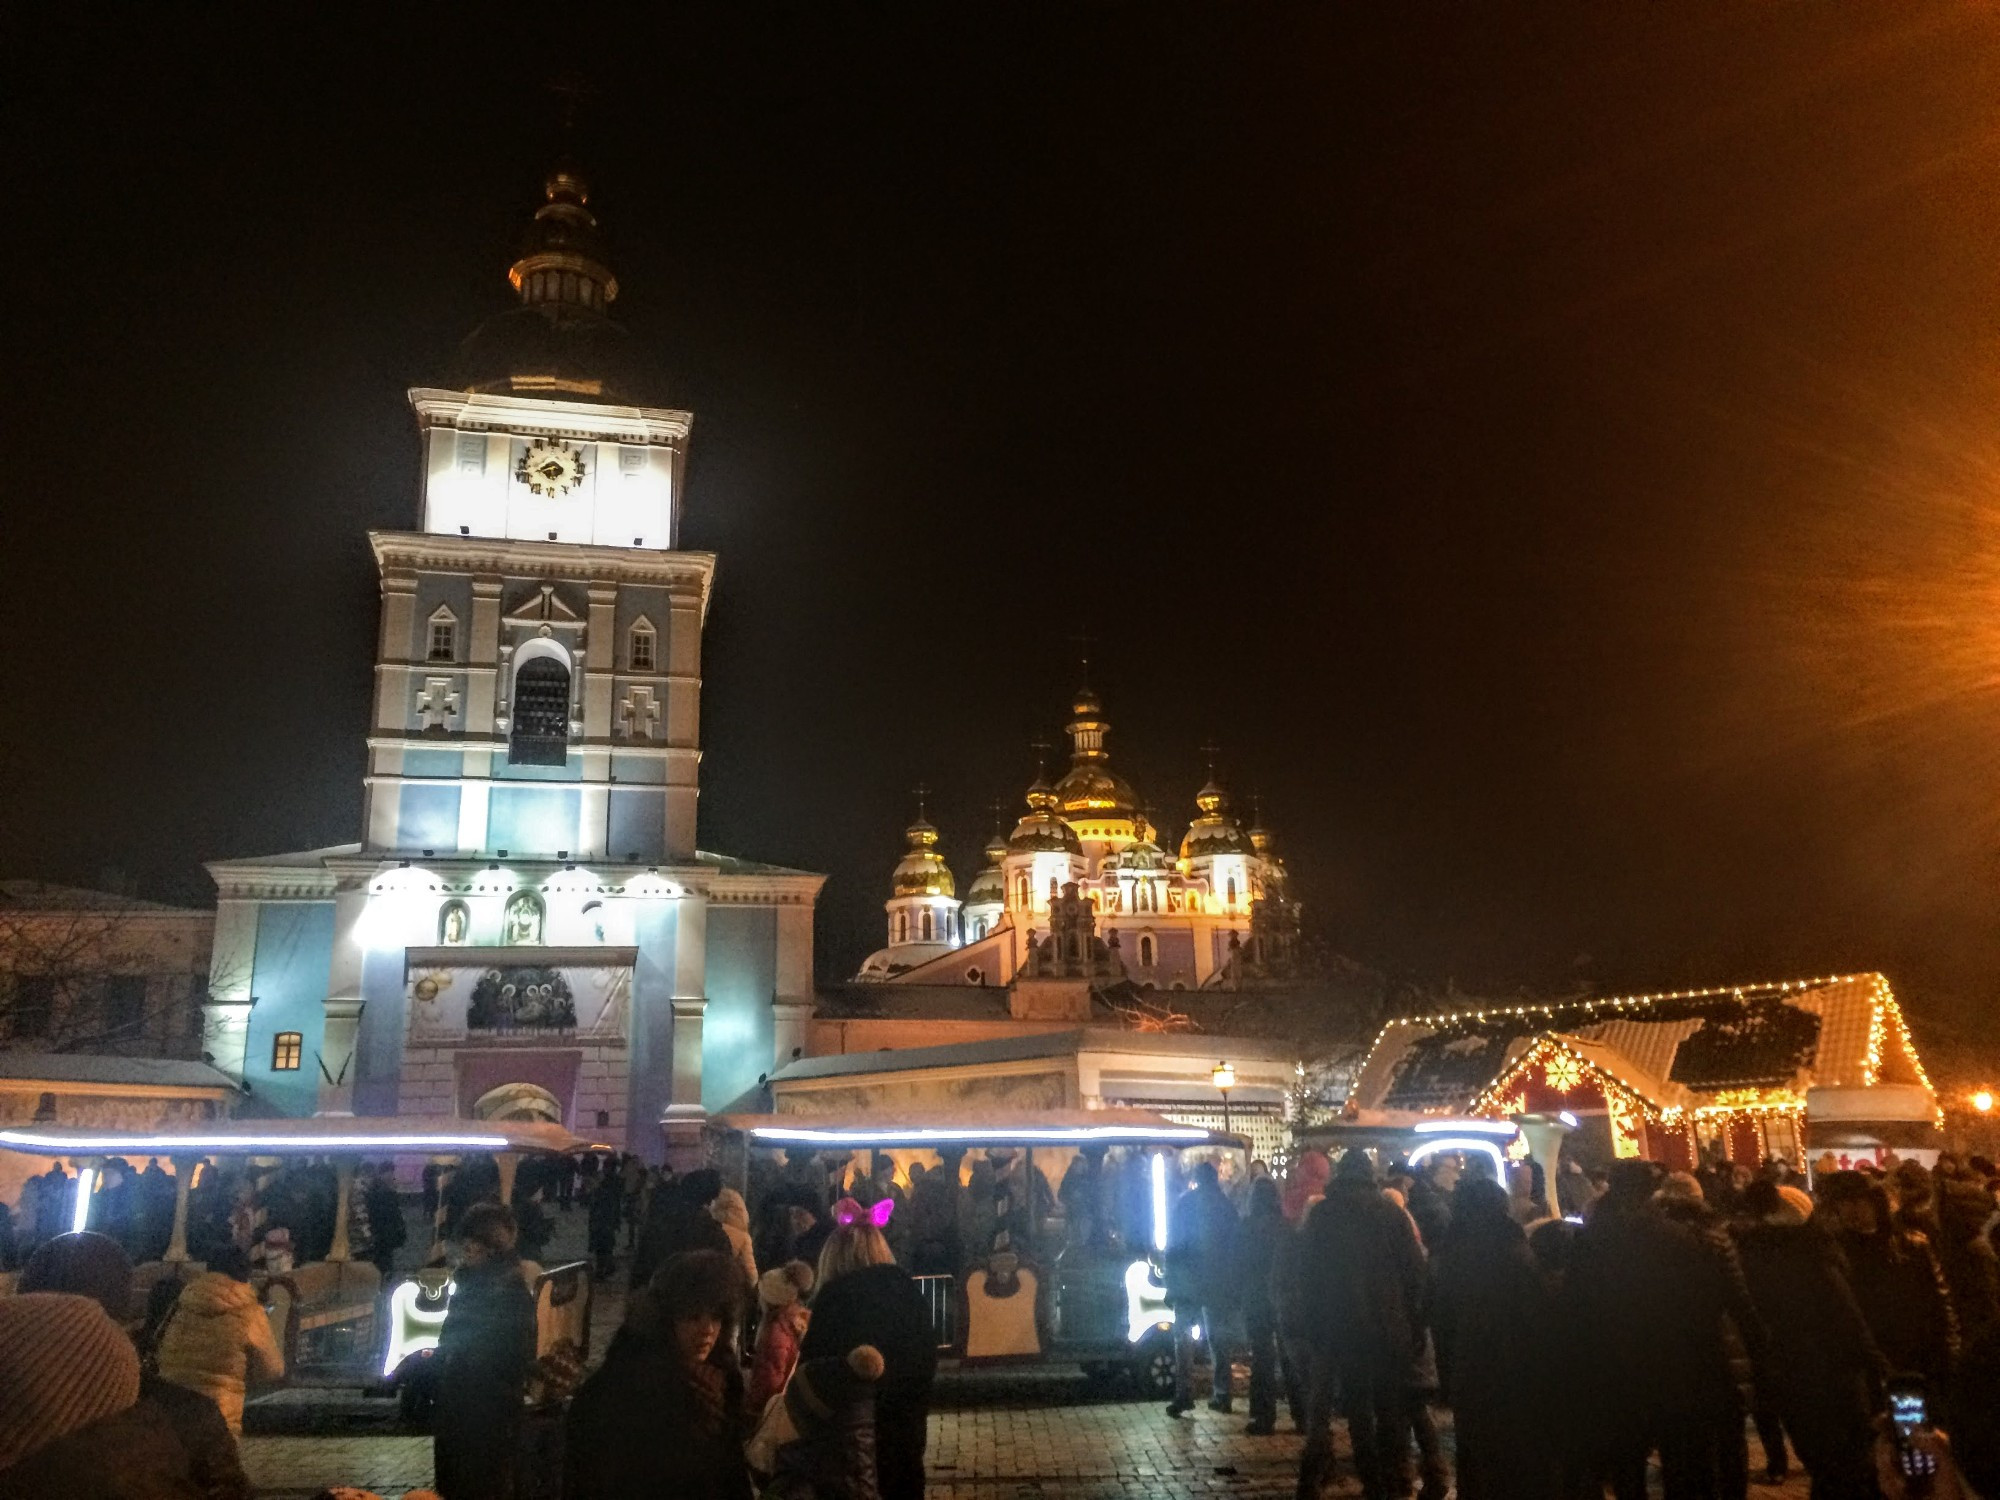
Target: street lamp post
<point>1223,1076</point>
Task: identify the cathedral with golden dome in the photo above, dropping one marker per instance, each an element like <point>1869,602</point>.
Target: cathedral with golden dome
<point>1082,888</point>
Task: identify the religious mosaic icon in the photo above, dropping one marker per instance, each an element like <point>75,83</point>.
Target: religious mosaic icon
<point>550,469</point>
<point>521,997</point>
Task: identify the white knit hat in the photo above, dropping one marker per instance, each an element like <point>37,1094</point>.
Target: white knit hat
<point>63,1365</point>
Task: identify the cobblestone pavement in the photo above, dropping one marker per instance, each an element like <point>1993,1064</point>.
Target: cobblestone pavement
<point>1042,1435</point>
<point>994,1435</point>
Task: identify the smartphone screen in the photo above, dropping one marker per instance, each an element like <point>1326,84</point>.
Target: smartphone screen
<point>1909,1414</point>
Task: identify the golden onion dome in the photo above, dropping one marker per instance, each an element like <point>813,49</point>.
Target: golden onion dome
<point>1090,789</point>
<point>1041,827</point>
<point>922,870</point>
<point>1215,831</point>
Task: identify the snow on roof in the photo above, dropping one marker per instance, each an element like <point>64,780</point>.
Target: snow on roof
<point>1677,1049</point>
<point>107,1068</point>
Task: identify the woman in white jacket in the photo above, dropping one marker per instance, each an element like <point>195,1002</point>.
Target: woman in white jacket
<point>217,1338</point>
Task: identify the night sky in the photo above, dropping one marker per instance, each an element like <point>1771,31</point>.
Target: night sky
<point>1554,451</point>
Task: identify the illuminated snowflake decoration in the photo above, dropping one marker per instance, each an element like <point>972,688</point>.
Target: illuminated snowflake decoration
<point>1562,1072</point>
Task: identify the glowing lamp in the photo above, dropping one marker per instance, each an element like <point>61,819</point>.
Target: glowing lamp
<point>1982,1100</point>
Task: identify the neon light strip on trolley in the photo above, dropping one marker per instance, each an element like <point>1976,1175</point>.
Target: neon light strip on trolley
<point>70,1145</point>
<point>1028,1135</point>
<point>1467,1127</point>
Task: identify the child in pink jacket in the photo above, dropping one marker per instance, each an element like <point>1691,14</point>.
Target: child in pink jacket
<point>781,1294</point>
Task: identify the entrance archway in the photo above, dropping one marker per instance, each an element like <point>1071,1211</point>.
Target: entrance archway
<point>518,1101</point>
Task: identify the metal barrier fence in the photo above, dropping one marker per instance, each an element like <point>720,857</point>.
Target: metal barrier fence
<point>940,1295</point>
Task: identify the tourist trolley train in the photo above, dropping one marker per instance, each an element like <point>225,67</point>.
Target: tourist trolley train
<point>336,1321</point>
<point>1059,1296</point>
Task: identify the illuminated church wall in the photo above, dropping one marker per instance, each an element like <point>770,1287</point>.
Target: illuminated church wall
<point>288,979</point>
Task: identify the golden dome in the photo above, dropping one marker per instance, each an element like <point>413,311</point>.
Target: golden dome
<point>1041,827</point>
<point>1215,831</point>
<point>922,870</point>
<point>1089,788</point>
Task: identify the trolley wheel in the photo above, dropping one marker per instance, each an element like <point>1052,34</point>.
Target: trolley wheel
<point>1152,1368</point>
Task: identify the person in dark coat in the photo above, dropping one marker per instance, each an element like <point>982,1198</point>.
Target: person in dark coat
<point>1822,1368</point>
<point>1681,1200</point>
<point>1490,1315</point>
<point>934,1242</point>
<point>1201,1284</point>
<point>1971,1269</point>
<point>1261,1244</point>
<point>663,1413</point>
<point>88,1264</point>
<point>1652,1302</point>
<point>1896,1279</point>
<point>677,1222</point>
<point>606,1209</point>
<point>485,1352</point>
<point>1360,1289</point>
<point>863,1297</point>
<point>386,1231</point>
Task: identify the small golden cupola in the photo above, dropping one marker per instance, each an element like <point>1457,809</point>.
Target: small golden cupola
<point>1216,855</point>
<point>923,906</point>
<point>986,896</point>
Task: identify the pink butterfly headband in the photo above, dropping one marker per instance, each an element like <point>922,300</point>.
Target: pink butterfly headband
<point>847,1212</point>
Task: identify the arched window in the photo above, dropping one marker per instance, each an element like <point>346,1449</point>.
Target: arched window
<point>927,924</point>
<point>1145,952</point>
<point>978,929</point>
<point>593,920</point>
<point>902,927</point>
<point>444,635</point>
<point>1232,890</point>
<point>454,924</point>
<point>1025,900</point>
<point>522,923</point>
<point>642,654</point>
<point>539,732</point>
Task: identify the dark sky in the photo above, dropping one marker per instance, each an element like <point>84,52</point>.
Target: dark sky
<point>1552,449</point>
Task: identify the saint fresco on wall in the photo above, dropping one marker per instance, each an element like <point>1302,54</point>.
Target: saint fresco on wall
<point>448,999</point>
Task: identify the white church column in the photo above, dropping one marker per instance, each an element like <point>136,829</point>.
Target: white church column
<point>683,1118</point>
<point>683,725</point>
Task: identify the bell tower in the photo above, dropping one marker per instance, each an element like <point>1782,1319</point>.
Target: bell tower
<point>539,669</point>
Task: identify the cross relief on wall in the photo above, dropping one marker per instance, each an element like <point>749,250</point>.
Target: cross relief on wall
<point>438,705</point>
<point>639,714</point>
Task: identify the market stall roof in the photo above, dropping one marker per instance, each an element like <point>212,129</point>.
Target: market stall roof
<point>320,1134</point>
<point>1678,1050</point>
<point>977,1128</point>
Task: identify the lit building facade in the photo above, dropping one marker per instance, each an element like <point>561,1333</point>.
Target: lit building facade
<point>1219,911</point>
<point>526,927</point>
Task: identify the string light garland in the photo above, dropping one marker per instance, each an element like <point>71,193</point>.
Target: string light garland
<point>1564,1067</point>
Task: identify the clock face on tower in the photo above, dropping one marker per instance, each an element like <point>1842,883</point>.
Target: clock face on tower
<point>550,469</point>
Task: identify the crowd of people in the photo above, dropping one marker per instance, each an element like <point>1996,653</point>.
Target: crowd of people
<point>777,1343</point>
<point>1651,1316</point>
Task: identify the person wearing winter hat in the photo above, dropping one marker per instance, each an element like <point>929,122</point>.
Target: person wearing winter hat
<point>781,1292</point>
<point>95,1265</point>
<point>218,1339</point>
<point>71,1422</point>
<point>821,1438</point>
<point>730,1211</point>
<point>668,1393</point>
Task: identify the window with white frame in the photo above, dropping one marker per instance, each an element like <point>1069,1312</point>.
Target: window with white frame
<point>642,653</point>
<point>444,637</point>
